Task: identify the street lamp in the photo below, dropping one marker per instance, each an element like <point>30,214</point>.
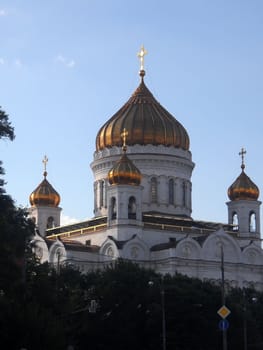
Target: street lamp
<point>162,292</point>
<point>163,315</point>
<point>223,293</point>
<point>244,320</point>
<point>254,300</point>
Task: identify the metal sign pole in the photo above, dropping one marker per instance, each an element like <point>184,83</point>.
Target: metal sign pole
<point>163,314</point>
<point>224,331</point>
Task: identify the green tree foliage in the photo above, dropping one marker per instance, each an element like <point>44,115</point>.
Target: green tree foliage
<point>118,308</point>
<point>6,132</point>
<point>129,312</point>
<point>15,231</point>
<point>121,320</point>
<point>6,129</point>
<point>2,172</point>
<point>15,228</point>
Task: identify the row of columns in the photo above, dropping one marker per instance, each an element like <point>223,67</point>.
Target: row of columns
<point>156,189</point>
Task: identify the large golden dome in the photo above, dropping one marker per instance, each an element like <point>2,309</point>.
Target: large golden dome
<point>146,121</point>
<point>44,195</point>
<point>243,187</point>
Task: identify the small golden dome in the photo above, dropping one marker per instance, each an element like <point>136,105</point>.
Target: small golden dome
<point>124,172</point>
<point>146,121</point>
<point>243,187</point>
<point>44,194</point>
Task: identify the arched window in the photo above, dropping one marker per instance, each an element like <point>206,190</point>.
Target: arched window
<point>113,208</point>
<point>50,222</point>
<point>235,221</point>
<point>154,189</point>
<point>101,193</point>
<point>59,255</point>
<point>105,194</point>
<point>132,208</point>
<point>95,195</point>
<point>171,191</point>
<point>184,194</point>
<point>252,222</point>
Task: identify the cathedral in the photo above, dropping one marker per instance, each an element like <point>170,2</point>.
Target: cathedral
<point>142,169</point>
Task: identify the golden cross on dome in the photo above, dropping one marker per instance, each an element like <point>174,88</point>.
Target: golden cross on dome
<point>141,55</point>
<point>124,135</point>
<point>44,161</point>
<point>242,153</point>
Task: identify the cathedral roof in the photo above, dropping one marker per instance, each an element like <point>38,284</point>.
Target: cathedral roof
<point>80,247</point>
<point>243,187</point>
<point>44,194</point>
<point>121,244</point>
<point>146,121</point>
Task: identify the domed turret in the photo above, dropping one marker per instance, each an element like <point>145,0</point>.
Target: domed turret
<point>245,218</point>
<point>146,121</point>
<point>243,187</point>
<point>158,145</point>
<point>44,194</point>
<point>124,172</point>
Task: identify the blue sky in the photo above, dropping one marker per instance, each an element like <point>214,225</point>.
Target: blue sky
<point>67,66</point>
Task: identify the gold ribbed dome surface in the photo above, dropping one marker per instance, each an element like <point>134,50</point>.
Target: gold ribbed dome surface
<point>243,189</point>
<point>44,195</point>
<point>146,121</point>
<point>124,172</point>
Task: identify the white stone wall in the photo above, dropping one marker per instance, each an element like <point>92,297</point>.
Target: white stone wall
<point>41,214</point>
<point>243,267</point>
<point>243,209</point>
<point>160,162</point>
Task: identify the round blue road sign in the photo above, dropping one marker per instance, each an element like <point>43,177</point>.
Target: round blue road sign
<point>223,324</point>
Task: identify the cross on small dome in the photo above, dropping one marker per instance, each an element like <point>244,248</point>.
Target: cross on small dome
<point>242,153</point>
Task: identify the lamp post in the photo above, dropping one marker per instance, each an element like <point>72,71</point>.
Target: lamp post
<point>245,321</point>
<point>245,314</point>
<point>162,292</point>
<point>58,261</point>
<point>163,315</point>
<point>223,294</point>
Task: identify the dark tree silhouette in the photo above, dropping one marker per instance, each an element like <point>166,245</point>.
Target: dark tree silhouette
<point>6,129</point>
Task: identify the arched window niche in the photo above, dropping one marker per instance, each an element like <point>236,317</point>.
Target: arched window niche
<point>235,221</point>
<point>171,191</point>
<point>102,188</point>
<point>184,186</point>
<point>154,189</point>
<point>95,195</point>
<point>132,208</point>
<point>252,222</point>
<point>113,208</point>
<point>50,222</point>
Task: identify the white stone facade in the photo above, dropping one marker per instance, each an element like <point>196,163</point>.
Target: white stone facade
<point>45,217</point>
<point>156,163</point>
<point>153,229</point>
